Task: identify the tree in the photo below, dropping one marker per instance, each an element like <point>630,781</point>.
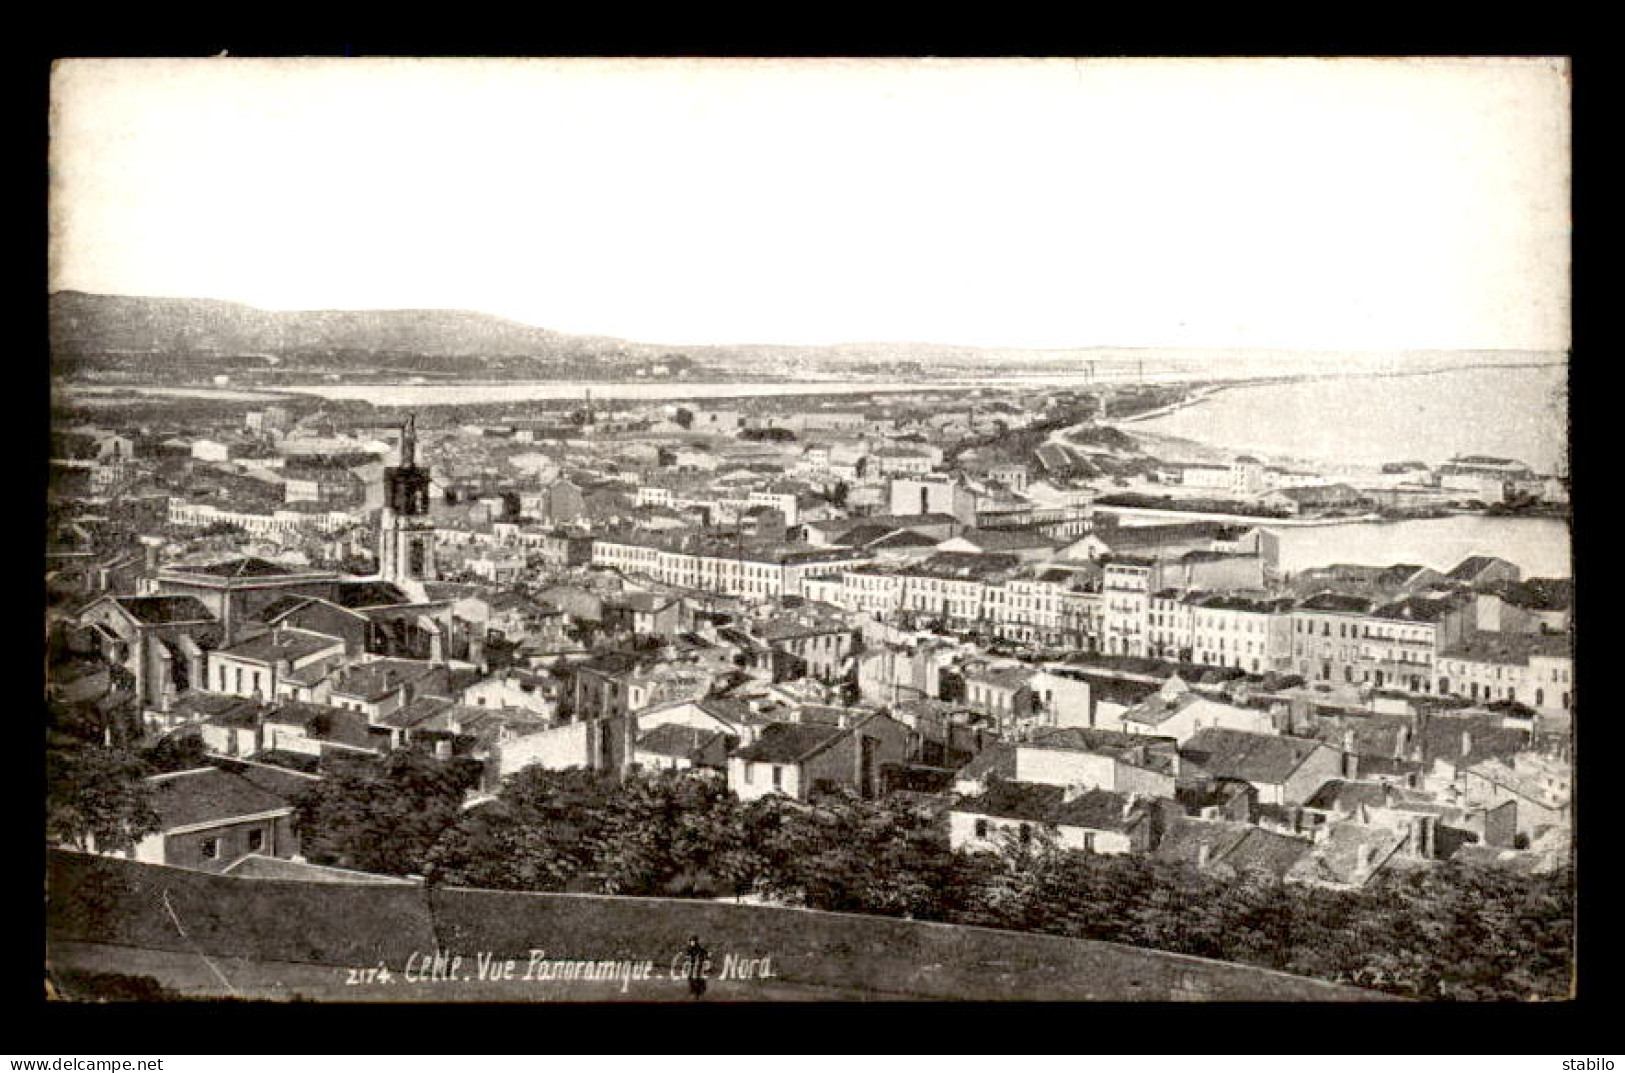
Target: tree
<point>669,832</point>
<point>847,854</point>
<point>96,798</point>
<point>537,835</point>
<point>182,751</point>
<point>383,817</point>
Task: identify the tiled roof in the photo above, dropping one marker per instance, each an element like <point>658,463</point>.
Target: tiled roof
<point>1336,601</point>
<point>1184,836</point>
<point>218,708</point>
<point>789,743</point>
<point>419,711</point>
<point>356,594</point>
<point>997,759</point>
<point>674,739</point>
<point>1238,754</point>
<point>1470,567</point>
<point>280,644</point>
<point>208,795</point>
<point>1269,851</point>
<point>165,610</point>
<point>1344,795</point>
<point>247,566</point>
<point>1416,609</point>
<point>371,681</point>
<point>1096,740</point>
<point>1100,810</point>
<point>325,723</point>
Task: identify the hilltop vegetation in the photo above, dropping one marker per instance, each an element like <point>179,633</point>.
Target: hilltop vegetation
<point>1452,932</point>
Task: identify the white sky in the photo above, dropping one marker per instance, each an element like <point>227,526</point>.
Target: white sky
<point>1305,204</point>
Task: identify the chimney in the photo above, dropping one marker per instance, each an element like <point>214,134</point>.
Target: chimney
<point>1466,743</point>
<point>1204,853</point>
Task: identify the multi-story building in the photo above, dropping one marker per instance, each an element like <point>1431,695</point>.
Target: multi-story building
<point>760,571</point>
<point>1536,670</point>
<point>1326,643</point>
<point>1401,641</point>
<point>1250,634</point>
<point>1169,625</point>
<point>1126,587</point>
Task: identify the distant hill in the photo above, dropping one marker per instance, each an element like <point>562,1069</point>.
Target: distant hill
<point>88,327</point>
<point>111,330</point>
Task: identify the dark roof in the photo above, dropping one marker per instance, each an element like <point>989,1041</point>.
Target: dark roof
<point>417,711</point>
<point>640,601</point>
<point>277,780</point>
<point>998,758</point>
<point>674,739</point>
<point>1416,609</point>
<point>790,743</point>
<point>965,564</point>
<point>1096,740</point>
<point>1124,691</point>
<point>1336,601</point>
<point>1511,649</point>
<point>863,535</point>
<point>903,538</point>
<point>208,795</point>
<point>1238,754</point>
<point>1472,566</point>
<point>165,610</point>
<point>1232,602</point>
<point>324,723</point>
<point>1184,837</point>
<point>282,606</point>
<point>279,644</point>
<point>1345,795</point>
<point>215,707</point>
<point>354,594</point>
<point>1267,851</point>
<point>374,680</point>
<point>247,566</point>
<point>1001,539</point>
<point>1096,809</point>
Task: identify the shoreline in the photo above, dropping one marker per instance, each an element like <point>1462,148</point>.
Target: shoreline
<point>1204,387</point>
<point>1317,523</point>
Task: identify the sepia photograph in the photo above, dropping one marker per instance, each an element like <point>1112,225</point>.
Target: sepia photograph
<point>728,530</point>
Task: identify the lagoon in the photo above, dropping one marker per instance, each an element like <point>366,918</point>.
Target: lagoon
<point>1514,412</point>
<point>1540,546</point>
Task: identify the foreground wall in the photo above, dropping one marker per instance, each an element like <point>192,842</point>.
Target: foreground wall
<point>113,901</point>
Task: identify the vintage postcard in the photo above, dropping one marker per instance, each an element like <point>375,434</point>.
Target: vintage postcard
<point>696,530</point>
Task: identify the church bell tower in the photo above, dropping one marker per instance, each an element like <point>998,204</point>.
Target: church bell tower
<point>406,538</point>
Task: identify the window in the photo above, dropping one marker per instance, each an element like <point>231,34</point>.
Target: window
<point>981,828</point>
<point>209,848</point>
<point>1026,834</point>
<point>256,840</point>
<point>749,772</point>
<point>778,777</point>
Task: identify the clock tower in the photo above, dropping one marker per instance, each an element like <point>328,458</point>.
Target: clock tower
<point>406,538</point>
